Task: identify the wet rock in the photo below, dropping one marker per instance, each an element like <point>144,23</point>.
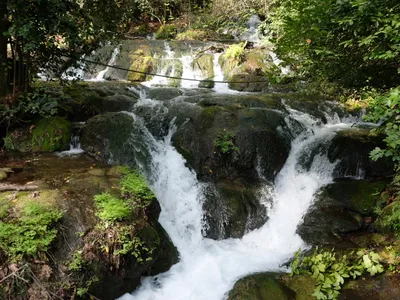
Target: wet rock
<point>248,83</point>
<point>47,135</point>
<point>351,148</point>
<point>232,209</point>
<point>382,287</point>
<point>163,93</point>
<point>118,102</point>
<point>263,286</point>
<point>339,208</point>
<point>108,137</point>
<point>254,132</point>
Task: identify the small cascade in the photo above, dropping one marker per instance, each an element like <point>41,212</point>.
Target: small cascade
<point>209,268</point>
<point>75,144</point>
<point>166,67</point>
<point>277,62</point>
<point>75,73</point>
<point>220,87</point>
<point>251,33</point>
<point>111,62</point>
<point>189,72</point>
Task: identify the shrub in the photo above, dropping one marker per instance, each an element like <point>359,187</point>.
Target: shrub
<point>385,109</point>
<point>330,270</point>
<point>235,52</point>
<point>166,32</point>
<point>225,143</point>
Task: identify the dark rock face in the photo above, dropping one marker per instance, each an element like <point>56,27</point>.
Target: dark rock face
<point>339,208</point>
<point>233,209</point>
<point>254,128</point>
<point>374,288</point>
<point>108,138</point>
<point>263,286</point>
<point>351,148</point>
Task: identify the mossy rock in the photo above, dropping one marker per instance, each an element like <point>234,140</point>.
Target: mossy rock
<point>232,209</point>
<point>263,286</point>
<point>204,63</point>
<point>19,140</point>
<point>303,285</point>
<point>351,148</point>
<point>248,83</point>
<point>166,32</point>
<point>51,134</point>
<point>108,137</point>
<point>143,62</point>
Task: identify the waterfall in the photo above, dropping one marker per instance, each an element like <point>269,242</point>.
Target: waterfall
<point>208,269</point>
<point>277,62</point>
<point>75,73</point>
<point>167,68</point>
<point>190,73</point>
<point>219,76</point>
<point>111,62</point>
<point>251,33</point>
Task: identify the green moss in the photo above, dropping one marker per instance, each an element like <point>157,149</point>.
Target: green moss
<point>194,35</point>
<point>303,285</point>
<point>166,32</point>
<point>111,208</point>
<point>51,134</point>
<point>260,287</point>
<point>143,62</point>
<point>32,232</point>
<point>135,185</point>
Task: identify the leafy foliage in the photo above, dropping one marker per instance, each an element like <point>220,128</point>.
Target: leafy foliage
<point>385,110</point>
<point>111,208</point>
<point>331,270</point>
<point>134,186</point>
<point>225,143</point>
<point>235,52</point>
<point>31,233</point>
<point>353,42</point>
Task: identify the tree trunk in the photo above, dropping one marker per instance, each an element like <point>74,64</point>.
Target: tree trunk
<point>3,49</point>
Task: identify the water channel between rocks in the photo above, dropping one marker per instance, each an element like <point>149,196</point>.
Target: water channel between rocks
<point>209,268</point>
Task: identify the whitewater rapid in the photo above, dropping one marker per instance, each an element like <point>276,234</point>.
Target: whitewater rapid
<point>207,268</point>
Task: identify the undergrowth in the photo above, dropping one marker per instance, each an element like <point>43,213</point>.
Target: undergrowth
<point>330,269</point>
<point>30,233</point>
<point>225,143</point>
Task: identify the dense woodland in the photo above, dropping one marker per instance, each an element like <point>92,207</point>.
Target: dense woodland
<point>342,50</point>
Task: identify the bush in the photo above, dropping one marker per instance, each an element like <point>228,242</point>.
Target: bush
<point>225,143</point>
<point>166,32</point>
<point>385,109</point>
<point>354,42</point>
<point>235,53</point>
<point>330,270</point>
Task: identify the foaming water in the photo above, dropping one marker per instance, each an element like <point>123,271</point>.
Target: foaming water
<point>208,269</point>
<point>111,62</point>
<point>160,80</point>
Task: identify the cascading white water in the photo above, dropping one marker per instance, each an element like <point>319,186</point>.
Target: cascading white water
<point>111,62</point>
<point>277,62</point>
<point>190,73</point>
<point>219,76</point>
<point>75,73</point>
<point>160,80</point>
<point>208,269</point>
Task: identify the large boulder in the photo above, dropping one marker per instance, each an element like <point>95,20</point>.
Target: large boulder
<point>339,208</point>
<point>263,286</point>
<point>108,137</point>
<point>77,264</point>
<point>254,127</point>
<point>232,209</point>
<point>46,135</point>
<point>351,149</point>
